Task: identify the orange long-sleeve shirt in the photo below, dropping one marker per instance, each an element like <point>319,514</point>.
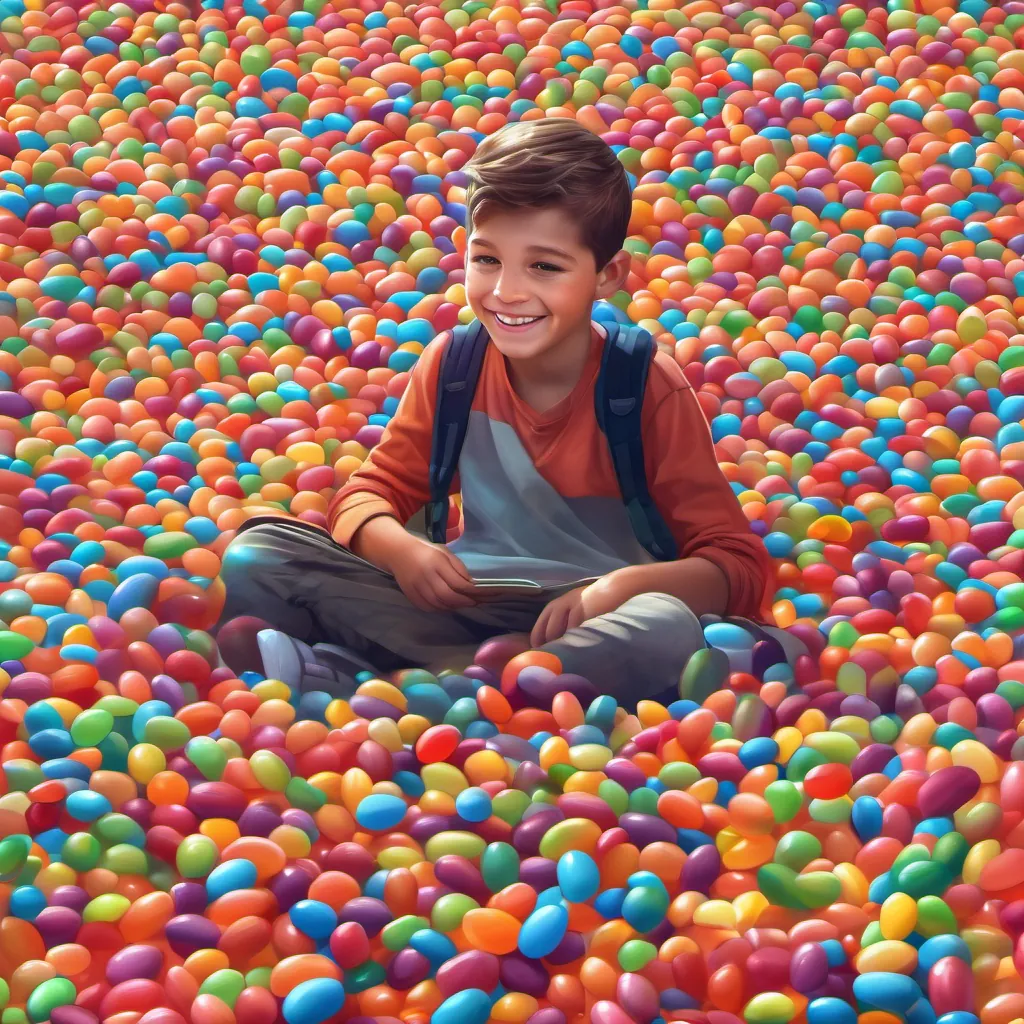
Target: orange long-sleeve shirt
<point>539,494</point>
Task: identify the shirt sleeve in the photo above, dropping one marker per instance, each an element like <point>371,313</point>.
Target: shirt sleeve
<point>394,479</point>
<point>697,502</point>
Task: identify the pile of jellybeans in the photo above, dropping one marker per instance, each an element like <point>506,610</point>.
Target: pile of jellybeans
<point>227,231</point>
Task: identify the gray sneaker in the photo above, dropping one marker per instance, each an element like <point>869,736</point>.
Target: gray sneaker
<point>320,667</point>
<point>283,656</point>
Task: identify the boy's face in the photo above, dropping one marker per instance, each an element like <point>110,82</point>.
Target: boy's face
<point>530,265</point>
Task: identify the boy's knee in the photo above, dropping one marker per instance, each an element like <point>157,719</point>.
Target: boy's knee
<point>247,552</point>
<point>661,604</point>
<point>671,619</point>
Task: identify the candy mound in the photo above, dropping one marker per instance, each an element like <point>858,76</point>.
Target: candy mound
<point>227,231</point>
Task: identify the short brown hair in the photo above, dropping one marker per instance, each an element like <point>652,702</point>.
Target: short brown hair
<point>554,161</point>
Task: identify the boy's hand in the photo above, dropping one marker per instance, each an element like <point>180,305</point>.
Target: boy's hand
<point>433,579</point>
<point>571,609</point>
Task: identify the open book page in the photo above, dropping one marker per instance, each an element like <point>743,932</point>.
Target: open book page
<point>517,584</point>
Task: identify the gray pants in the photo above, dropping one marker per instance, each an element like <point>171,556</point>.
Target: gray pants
<point>295,577</point>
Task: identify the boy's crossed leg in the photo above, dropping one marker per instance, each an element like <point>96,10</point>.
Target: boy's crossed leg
<point>334,614</point>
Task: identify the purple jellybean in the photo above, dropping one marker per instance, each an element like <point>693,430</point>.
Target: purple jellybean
<point>427,896</point>
<point>407,968</point>
<point>290,885</point>
<point>258,819</point>
<point>529,775</point>
<point>808,970</point>
<point>372,914</point>
<point>871,760</point>
<point>549,1015</point>
<point>138,961</point>
<point>995,712</point>
<point>461,875</point>
<point>530,831</point>
<point>637,996</point>
<point>571,948</point>
<point>58,925</point>
<point>701,869</point>
<point>645,829</point>
<point>188,933</point>
<point>140,810</point>
<point>520,974</point>
<point>73,896</point>
<point>217,800</point>
<point>625,773</point>
<point>539,873</point>
<point>423,828</point>
<point>167,689</point>
<point>300,819</point>
<point>947,790</point>
<point>189,898</point>
<point>514,747</point>
<point>372,707</point>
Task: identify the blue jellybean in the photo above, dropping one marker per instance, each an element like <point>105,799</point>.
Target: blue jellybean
<point>380,811</point>
<point>543,930</point>
<point>579,877</point>
<point>887,991</point>
<point>473,804</point>
<point>313,1001</point>
<point>87,805</point>
<point>229,876</point>
<point>27,902</point>
<point>470,1006</point>
<point>609,903</point>
<point>313,918</point>
<point>828,1010</point>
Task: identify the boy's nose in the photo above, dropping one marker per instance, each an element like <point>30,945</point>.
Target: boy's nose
<point>510,289</point>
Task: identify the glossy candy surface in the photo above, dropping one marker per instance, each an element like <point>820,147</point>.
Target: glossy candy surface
<point>227,231</point>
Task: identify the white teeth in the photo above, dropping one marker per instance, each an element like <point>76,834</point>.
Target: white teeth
<point>516,321</point>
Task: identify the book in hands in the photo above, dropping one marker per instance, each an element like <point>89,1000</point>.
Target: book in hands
<point>507,584</point>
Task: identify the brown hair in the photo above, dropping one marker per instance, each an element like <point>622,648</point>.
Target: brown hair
<point>554,161</point>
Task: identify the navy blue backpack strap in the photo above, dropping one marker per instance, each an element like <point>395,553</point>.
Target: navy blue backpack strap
<point>619,403</point>
<point>456,385</point>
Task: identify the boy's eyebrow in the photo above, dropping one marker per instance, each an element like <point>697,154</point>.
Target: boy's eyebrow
<point>530,248</point>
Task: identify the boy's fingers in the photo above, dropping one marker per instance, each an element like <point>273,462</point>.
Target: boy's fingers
<point>448,597</point>
<point>457,564</point>
<point>576,616</point>
<point>537,633</point>
<point>560,625</point>
<point>464,572</point>
<point>453,579</point>
<point>551,624</point>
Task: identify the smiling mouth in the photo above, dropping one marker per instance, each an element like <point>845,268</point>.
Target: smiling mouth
<point>516,321</point>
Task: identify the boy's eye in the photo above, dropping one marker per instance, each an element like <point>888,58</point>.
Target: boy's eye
<point>490,260</point>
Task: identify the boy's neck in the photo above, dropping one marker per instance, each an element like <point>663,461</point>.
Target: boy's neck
<point>544,381</point>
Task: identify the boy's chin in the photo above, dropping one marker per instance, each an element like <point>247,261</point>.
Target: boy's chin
<point>521,343</point>
<point>520,348</point>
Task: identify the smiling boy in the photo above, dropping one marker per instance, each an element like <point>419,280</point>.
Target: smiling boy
<point>548,211</point>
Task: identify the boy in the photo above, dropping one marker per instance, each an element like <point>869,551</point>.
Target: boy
<point>548,210</point>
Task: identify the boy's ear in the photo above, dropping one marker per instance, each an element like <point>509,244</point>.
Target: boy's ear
<point>612,277</point>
